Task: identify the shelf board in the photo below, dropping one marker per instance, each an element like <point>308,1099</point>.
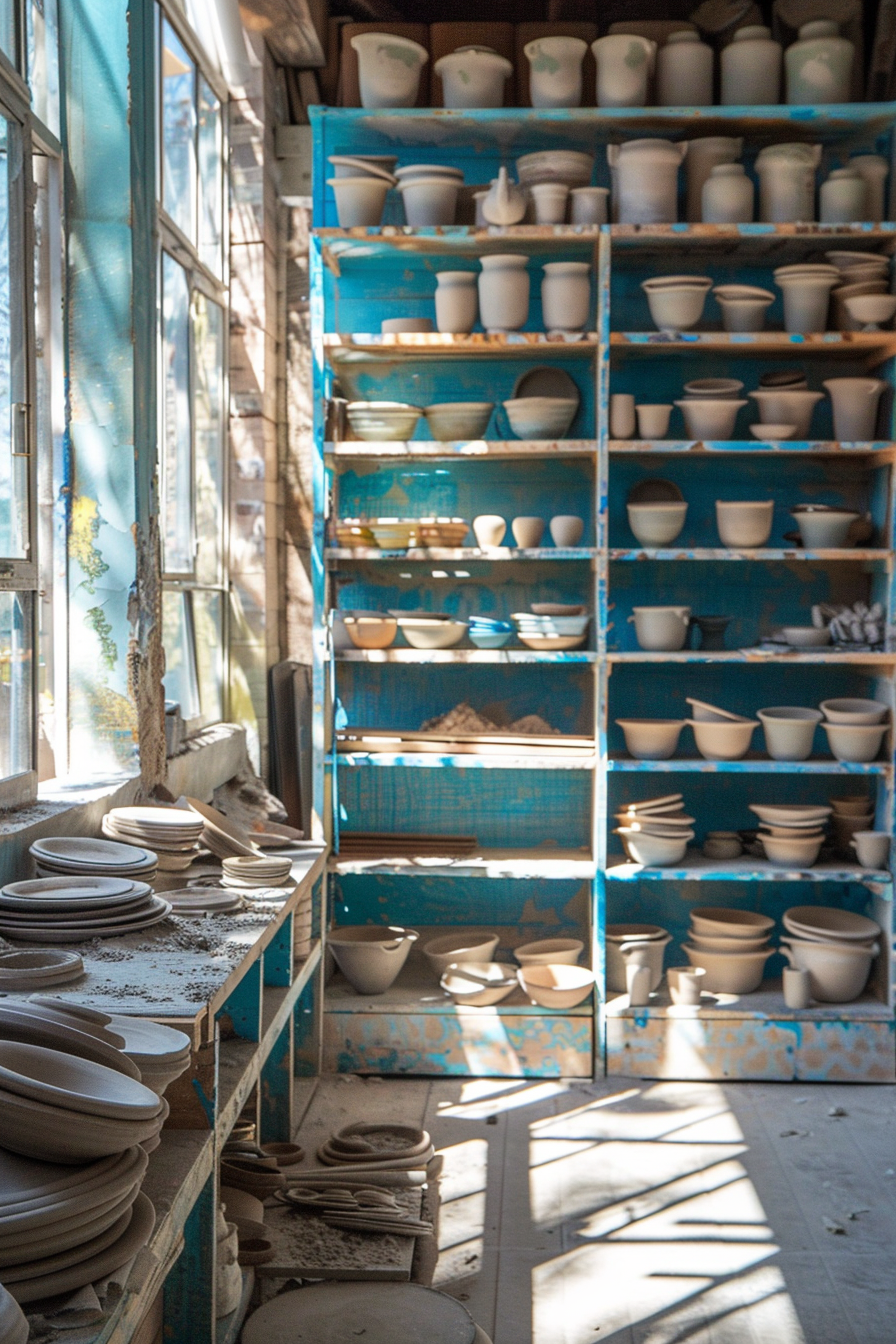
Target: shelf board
<point>355,449</point>
<point>696,868</point>
<point>374,347</point>
<point>876,345</point>
<point>369,246</point>
<point>430,760</point>
<point>767,1003</point>
<point>430,656</point>
<point>495,554</point>
<point>712,553</point>
<point>884,448</point>
<point>417,990</point>
<point>554,864</point>
<point>750,766</point>
<point>759,657</point>
<point>747,238</point>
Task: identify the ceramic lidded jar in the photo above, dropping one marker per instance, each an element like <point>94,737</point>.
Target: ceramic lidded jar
<point>566,295</point>
<point>874,169</point>
<point>624,65</point>
<point>473,77</point>
<point>504,292</point>
<point>457,303</point>
<point>728,196</point>
<point>819,65</point>
<point>646,180</point>
<point>787,183</point>
<point>555,71</point>
<point>684,71</point>
<point>388,69</point>
<point>843,198</point>
<point>702,156</point>
<point>751,68</point>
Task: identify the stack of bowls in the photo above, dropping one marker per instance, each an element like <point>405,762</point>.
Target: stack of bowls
<point>160,1053</point>
<point>835,946</point>
<point>807,291</point>
<point>719,734</point>
<point>676,302</point>
<point>394,534</point>
<point>710,407</point>
<point>74,909</point>
<point>855,728</point>
<point>655,833</point>
<point>487,633</point>
<point>360,184</point>
<point>77,856</point>
<point>731,946</point>
<point>858,273</point>
<point>429,193</point>
<point>447,533</point>
<point>791,834</point>
<point>570,166</point>
<point>479,984</point>
<point>431,630</point>
<point>850,815</point>
<point>171,832</point>
<point>551,632</point>
<point>743,306</point>
<point>383,421</point>
<point>258,871</point>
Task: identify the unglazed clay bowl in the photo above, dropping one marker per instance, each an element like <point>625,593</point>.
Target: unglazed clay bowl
<point>793,850</point>
<point>455,420</point>
<point>654,851</point>
<point>676,302</point>
<point>527,531</point>
<point>829,923</point>
<point>773,433</point>
<point>710,944</point>
<point>838,972</point>
<point>789,731</point>
<point>371,957</point>
<point>723,741</point>
<point>479,984</point>
<point>744,524</point>
<point>423,634</point>
<point>720,921</point>
<point>541,417</point>
<point>553,951</point>
<point>651,739</point>
<point>730,972</point>
<point>566,529</point>
<point>459,947</point>
<point>556,985</point>
<point>705,419</point>
<point>824,529</point>
<point>806,636</point>
<point>657,524</point>
<point>370,632</point>
<point>855,742</point>
<point>854,712</point>
<point>359,200</point>
<point>382,420</point>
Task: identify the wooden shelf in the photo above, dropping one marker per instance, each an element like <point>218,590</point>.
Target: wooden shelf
<point>696,868</point>
<point>784,554</point>
<point>496,555</point>
<point>430,657</point>
<point>355,449</point>
<point>425,760</point>
<point>760,657</point>
<point>883,450</point>
<point>872,346</point>
<point>417,990</point>
<point>751,766</point>
<point>553,864</point>
<point>358,347</point>
<point>765,1003</point>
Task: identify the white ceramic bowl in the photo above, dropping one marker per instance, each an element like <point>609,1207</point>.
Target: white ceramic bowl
<point>461,979</point>
<point>556,985</point>
<point>370,632</point>
<point>855,712</point>
<point>489,529</point>
<point>786,407</point>
<point>657,524</point>
<point>744,523</point>
<point>651,739</point>
<point>382,420</point>
<point>706,419</point>
<point>838,972</point>
<point>458,419</point>
<point>855,742</point>
<point>720,921</point>
<point>723,741</point>
<point>806,636</point>
<point>743,313</point>
<point>541,417</point>
<point>830,923</point>
<point>550,951</point>
<point>663,629</point>
<point>791,850</point>
<point>871,309</point>
<point>676,307</point>
<point>424,634</point>
<point>730,972</point>
<point>823,529</point>
<point>654,851</point>
<point>459,947</point>
<point>789,731</point>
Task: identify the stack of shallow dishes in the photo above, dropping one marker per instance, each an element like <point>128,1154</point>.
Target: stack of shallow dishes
<point>160,1053</point>
<point>34,1023</point>
<point>73,909</point>
<point>201,901</point>
<point>571,166</point>
<point>44,969</point>
<point>835,946</point>
<point>488,633</point>
<point>78,855</point>
<point>219,834</point>
<point>655,833</point>
<point>64,1226</point>
<point>850,815</point>
<point>171,832</point>
<point>265,870</point>
<point>855,728</point>
<point>743,306</point>
<point>541,631</point>
<point>858,273</point>
<point>791,834</point>
<point>731,946</point>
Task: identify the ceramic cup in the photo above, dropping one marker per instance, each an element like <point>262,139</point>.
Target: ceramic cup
<point>872,847</point>
<point>637,982</point>
<point>566,529</point>
<point>489,530</point>
<point>622,415</point>
<point>653,421</point>
<point>685,984</point>
<point>549,200</point>
<point>527,531</point>
<point>796,988</point>
<point>588,205</point>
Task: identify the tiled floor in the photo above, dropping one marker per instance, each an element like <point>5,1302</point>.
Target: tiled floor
<point>655,1213</point>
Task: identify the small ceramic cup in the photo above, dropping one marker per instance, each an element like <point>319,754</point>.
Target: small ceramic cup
<point>489,530</point>
<point>637,982</point>
<point>588,205</point>
<point>872,847</point>
<point>653,421</point>
<point>685,984</point>
<point>566,529</point>
<point>796,988</point>
<point>527,531</point>
<point>549,202</point>
<point>622,415</point>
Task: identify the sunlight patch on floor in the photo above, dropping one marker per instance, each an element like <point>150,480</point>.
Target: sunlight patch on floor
<point>478,1101</point>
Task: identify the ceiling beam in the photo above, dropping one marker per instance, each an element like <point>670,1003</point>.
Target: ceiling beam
<point>289,29</point>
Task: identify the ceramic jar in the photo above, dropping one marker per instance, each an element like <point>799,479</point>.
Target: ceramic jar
<point>588,205</point>
<point>624,66</point>
<point>843,198</point>
<point>819,65</point>
<point>555,71</point>
<point>622,415</point>
<point>728,196</point>
<point>855,402</point>
<point>661,629</point>
<point>473,77</point>
<point>504,292</point>
<point>646,181</point>
<point>566,295</point>
<point>388,69</point>
<point>787,183</point>
<point>703,155</point>
<point>457,303</point>
<point>684,71</point>
<point>874,169</point>
<point>751,68</point>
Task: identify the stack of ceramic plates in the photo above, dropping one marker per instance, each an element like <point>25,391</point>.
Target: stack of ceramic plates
<point>655,833</point>
<point>201,901</point>
<point>258,871</point>
<point>488,633</point>
<point>160,1053</point>
<point>171,832</point>
<point>44,969</point>
<point>34,1022</point>
<point>73,909</point>
<point>791,834</point>
<point>80,854</point>
<point>219,834</point>
<point>551,632</point>
<point>64,1226</point>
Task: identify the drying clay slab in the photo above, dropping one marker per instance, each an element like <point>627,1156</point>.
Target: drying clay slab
<point>341,1313</point>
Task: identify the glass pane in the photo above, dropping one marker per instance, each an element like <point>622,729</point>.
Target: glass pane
<point>207,623</point>
<point>180,666</point>
<point>43,60</point>
<point>16,641</point>
<point>13,469</point>
<point>177,486</point>
<point>211,179</point>
<point>8,29</point>
<point>178,133</point>
<point>208,431</point>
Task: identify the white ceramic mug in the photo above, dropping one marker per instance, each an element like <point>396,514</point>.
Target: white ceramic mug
<point>796,988</point>
<point>872,847</point>
<point>637,982</point>
<point>685,984</point>
<point>622,415</point>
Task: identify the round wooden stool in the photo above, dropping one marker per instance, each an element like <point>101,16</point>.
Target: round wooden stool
<point>384,1313</point>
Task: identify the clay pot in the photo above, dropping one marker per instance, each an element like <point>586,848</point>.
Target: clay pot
<point>822,528</point>
<point>787,408</point>
<point>623,935</point>
<point>744,312</point>
<point>527,532</point>
<point>807,296</point>
<point>709,419</point>
<point>566,529</point>
<point>370,957</point>
<point>555,71</point>
<point>838,972</point>
<point>457,301</point>
<point>429,201</point>
<point>843,198</point>
<point>676,303</point>
<point>657,524</point>
<point>653,421</point>
<point>744,524</point>
<point>588,205</point>
<point>359,200</point>
<point>723,741</point>
<point>727,197</point>
<point>819,65</point>
<point>649,953</point>
<point>624,66</point>
<point>504,292</point>
<point>859,742</point>
<point>874,168</point>
<point>872,848</point>
<point>787,183</point>
<point>684,68</point>
<point>855,402</point>
<point>566,295</point>
<point>704,154</point>
<point>651,739</point>
<point>789,732</point>
<point>549,200</point>
<point>646,180</point>
<point>661,628</point>
<point>751,68</point>
<point>388,69</point>
<point>473,77</point>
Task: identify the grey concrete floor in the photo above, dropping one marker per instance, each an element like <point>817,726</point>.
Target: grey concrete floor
<point>631,1212</point>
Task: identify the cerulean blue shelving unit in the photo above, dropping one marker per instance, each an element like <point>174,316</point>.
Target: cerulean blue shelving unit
<point>552,864</point>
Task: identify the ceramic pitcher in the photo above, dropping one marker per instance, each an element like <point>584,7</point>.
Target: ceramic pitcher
<point>555,71</point>
<point>388,69</point>
<point>624,66</point>
<point>702,156</point>
<point>751,68</point>
<point>473,77</point>
<point>646,180</point>
<point>787,183</point>
<point>684,71</point>
<point>819,65</point>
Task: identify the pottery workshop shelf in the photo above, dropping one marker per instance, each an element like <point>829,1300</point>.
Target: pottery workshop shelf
<point>881,450</point>
<point>871,347</point>
<point>345,349</point>
<point>432,657</point>
<point>498,554</point>
<point>748,766</point>
<point>762,657</point>
<point>675,555</point>
<point>467,448</point>
<point>697,868</point>
<point>555,865</point>
<point>360,760</point>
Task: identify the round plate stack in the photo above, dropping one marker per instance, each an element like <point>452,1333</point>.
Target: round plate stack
<point>261,871</point>
<point>34,1022</point>
<point>78,855</point>
<point>23,971</point>
<point>172,833</point>
<point>73,909</point>
<point>204,901</point>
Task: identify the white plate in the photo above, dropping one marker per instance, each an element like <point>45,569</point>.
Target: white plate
<point>178,818</point>
<point>83,849</point>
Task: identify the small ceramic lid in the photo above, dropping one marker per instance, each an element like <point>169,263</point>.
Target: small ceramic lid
<point>751,32</point>
<point>819,28</point>
<point>727,170</point>
<point>685,35</point>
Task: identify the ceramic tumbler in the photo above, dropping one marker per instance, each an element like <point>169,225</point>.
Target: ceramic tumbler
<point>685,984</point>
<point>796,988</point>
<point>622,415</point>
<point>637,982</point>
<point>457,301</point>
<point>588,205</point>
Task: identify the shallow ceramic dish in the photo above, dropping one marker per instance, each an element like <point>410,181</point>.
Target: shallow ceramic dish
<point>464,982</point>
<point>651,739</point>
<point>370,632</point>
<point>383,420</point>
<point>852,711</point>
<point>556,986</point>
<point>554,951</point>
<point>809,814</point>
<point>558,643</point>
<point>723,741</point>
<point>773,433</point>
<point>540,417</point>
<point>717,921</point>
<point>729,972</point>
<point>58,1079</point>
<point>459,947</point>
<point>855,742</point>
<point>428,634</point>
<point>744,523</point>
<point>838,972</point>
<point>831,923</point>
<point>453,420</point>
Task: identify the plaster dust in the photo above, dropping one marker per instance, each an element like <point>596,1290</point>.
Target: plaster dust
<point>306,1247</point>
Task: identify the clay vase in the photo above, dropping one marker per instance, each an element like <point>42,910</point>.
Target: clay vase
<point>874,169</point>
<point>728,196</point>
<point>624,66</point>
<point>843,198</point>
<point>473,77</point>
<point>751,68</point>
<point>527,531</point>
<point>457,302</point>
<point>703,155</point>
<point>504,292</point>
<point>787,183</point>
<point>646,182</point>
<point>566,295</point>
<point>505,202</point>
<point>555,71</point>
<point>489,530</point>
<point>819,65</point>
<point>388,69</point>
<point>684,71</point>
<point>855,402</point>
